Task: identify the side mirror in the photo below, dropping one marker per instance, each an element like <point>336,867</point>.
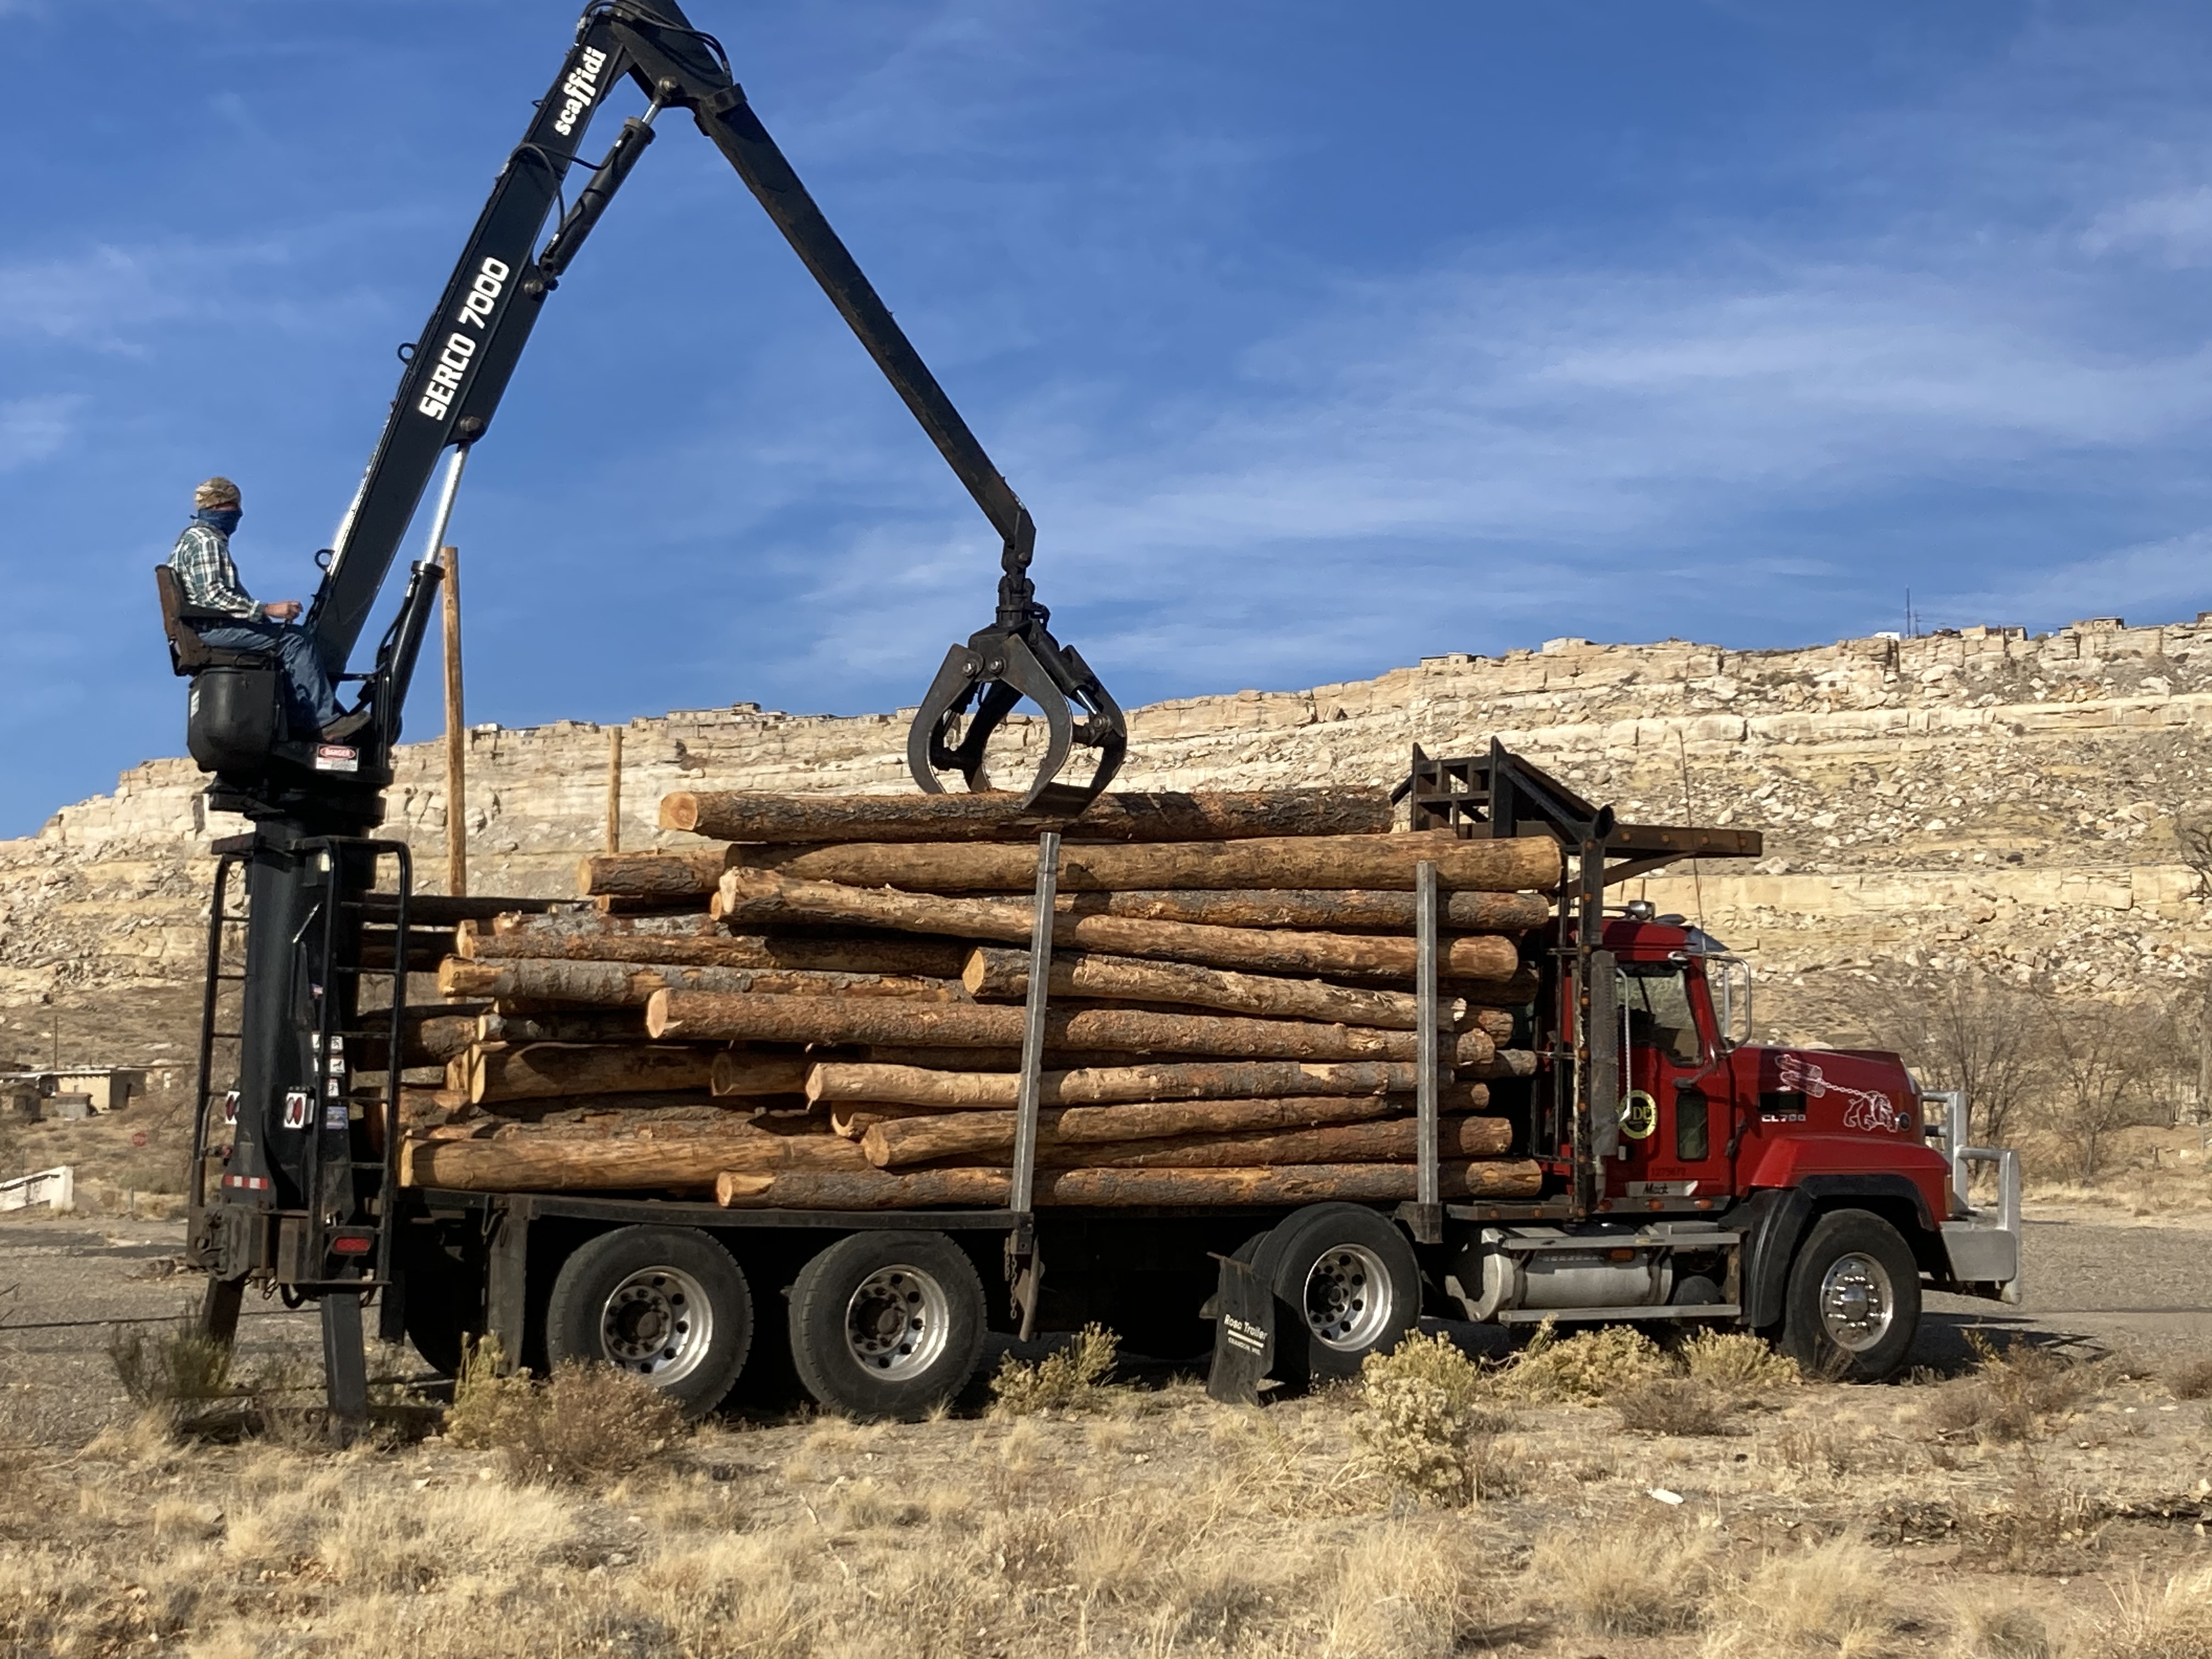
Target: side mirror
<point>1728,978</point>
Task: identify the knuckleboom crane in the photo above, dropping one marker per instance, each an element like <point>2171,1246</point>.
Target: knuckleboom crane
<point>307,1183</point>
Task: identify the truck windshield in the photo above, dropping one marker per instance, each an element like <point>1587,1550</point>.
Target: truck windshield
<point>1656,995</point>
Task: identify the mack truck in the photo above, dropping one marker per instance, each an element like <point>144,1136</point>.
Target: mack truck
<point>1689,1174</point>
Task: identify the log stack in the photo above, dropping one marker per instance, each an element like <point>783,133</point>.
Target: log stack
<point>827,1011</point>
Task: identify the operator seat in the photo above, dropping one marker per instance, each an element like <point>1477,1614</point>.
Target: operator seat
<point>187,654</point>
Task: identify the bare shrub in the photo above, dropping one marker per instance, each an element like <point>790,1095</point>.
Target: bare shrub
<point>2017,1394</point>
<point>1817,1452</point>
<point>1966,1029</point>
<point>585,1423</point>
<point>1737,1361</point>
<point>1583,1369</point>
<point>1623,1582</point>
<point>1419,1420</point>
<point>1673,1405</point>
<point>2191,1379</point>
<point>1071,1377</point>
<point>2099,1063</point>
<point>2171,1622</point>
<point>169,1369</point>
<point>1992,1629</point>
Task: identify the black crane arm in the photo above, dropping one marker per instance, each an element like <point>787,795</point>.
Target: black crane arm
<point>459,366</point>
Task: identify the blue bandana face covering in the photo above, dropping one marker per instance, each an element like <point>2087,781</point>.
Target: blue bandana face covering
<point>221,520</point>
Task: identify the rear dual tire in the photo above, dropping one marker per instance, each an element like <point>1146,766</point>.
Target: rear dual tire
<point>669,1305</point>
<point>887,1325</point>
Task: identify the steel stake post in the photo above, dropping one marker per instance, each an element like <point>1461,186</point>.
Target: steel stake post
<point>1427,1037</point>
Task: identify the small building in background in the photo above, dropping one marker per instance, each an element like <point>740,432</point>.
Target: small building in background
<point>74,1092</point>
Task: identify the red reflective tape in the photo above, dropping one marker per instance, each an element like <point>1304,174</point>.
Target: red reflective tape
<point>252,1184</point>
<point>350,1246</point>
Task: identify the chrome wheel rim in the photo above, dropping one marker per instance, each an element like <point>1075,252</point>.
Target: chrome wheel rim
<point>657,1324</point>
<point>1857,1302</point>
<point>897,1323</point>
<point>1348,1297</point>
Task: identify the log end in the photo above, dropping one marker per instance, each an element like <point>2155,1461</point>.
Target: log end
<point>679,811</point>
<point>735,1187</point>
<point>658,1020</point>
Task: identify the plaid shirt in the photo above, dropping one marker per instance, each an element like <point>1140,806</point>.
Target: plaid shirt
<point>202,562</point>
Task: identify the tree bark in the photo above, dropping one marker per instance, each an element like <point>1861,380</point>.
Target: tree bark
<point>997,975</point>
<point>762,896</point>
<point>1289,861</point>
<point>1125,817</point>
<point>554,1162</point>
<point>651,875</point>
<point>1278,1185</point>
<point>1320,909</point>
<point>818,951</point>
<point>622,984</point>
<point>839,1080</point>
<point>430,1040</point>
<point>591,1025</point>
<point>1506,1062</point>
<point>901,1142</point>
<point>535,1070</point>
<point>739,1072</point>
<point>674,1104</point>
<point>578,920</point>
<point>698,1016</point>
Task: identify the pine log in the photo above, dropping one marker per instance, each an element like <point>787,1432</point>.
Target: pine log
<point>651,875</point>
<point>623,984</point>
<point>1322,909</point>
<point>1282,1184</point>
<point>760,897</point>
<point>423,1040</point>
<point>837,1080</point>
<point>544,1109</point>
<point>999,974</point>
<point>746,1072</point>
<point>906,1142</point>
<point>1493,993</point>
<point>698,1016</point>
<point>1506,1062</point>
<point>584,1025</point>
<point>1159,1119</point>
<point>534,1071</point>
<point>1496,1023</point>
<point>1126,815</point>
<point>819,950</point>
<point>577,919</point>
<point>1290,861</point>
<point>426,948</point>
<point>443,910</point>
<point>560,1163</point>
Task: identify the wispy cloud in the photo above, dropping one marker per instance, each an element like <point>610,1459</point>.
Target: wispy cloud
<point>34,429</point>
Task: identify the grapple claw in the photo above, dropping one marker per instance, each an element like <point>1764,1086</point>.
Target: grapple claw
<point>995,670</point>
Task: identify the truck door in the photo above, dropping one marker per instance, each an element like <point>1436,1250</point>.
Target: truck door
<point>1676,1115</point>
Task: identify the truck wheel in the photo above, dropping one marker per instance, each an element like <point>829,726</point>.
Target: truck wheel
<point>1852,1305</point>
<point>666,1304</point>
<point>1345,1284</point>
<point>887,1325</point>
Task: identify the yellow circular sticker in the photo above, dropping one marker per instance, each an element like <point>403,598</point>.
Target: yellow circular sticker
<point>1639,1116</point>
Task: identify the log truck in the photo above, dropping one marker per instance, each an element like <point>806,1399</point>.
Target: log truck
<point>1690,1175</point>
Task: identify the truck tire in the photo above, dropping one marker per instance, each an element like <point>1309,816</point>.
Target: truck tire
<point>1852,1305</point>
<point>666,1304</point>
<point>1347,1285</point>
<point>887,1325</point>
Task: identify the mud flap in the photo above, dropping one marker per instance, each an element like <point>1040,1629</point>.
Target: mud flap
<point>1242,1309</point>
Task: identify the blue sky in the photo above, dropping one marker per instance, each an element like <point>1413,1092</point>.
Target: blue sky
<point>1317,337</point>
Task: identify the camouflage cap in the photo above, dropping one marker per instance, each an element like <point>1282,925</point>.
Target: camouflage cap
<point>215,492</point>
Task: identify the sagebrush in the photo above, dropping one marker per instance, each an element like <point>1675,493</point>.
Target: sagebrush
<point>1586,1367</point>
<point>1071,1377</point>
<point>585,1423</point>
<point>1423,1426</point>
<point>169,1369</point>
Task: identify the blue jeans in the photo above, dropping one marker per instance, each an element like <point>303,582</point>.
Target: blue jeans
<point>306,681</point>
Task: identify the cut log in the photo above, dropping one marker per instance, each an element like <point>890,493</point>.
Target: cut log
<point>1292,861</point>
<point>699,1016</point>
<point>838,1080</point>
<point>423,1040</point>
<point>744,1072</point>
<point>997,975</point>
<point>544,1109</point>
<point>651,875</point>
<point>558,1162</point>
<point>1496,1023</point>
<point>963,1135</point>
<point>1322,909</point>
<point>622,984</point>
<point>1287,1184</point>
<point>1506,1062</point>
<point>753,897</point>
<point>1124,816</point>
<point>535,1070</point>
<point>1494,993</point>
<point>588,1025</point>
<point>1149,1120</point>
<point>426,948</point>
<point>577,919</point>
<point>819,950</point>
<point>443,910</point>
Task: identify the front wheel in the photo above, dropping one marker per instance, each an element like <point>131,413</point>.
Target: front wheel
<point>1345,1284</point>
<point>1852,1306</point>
<point>666,1304</point>
<point>887,1325</point>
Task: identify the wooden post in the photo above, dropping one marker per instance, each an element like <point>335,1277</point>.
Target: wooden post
<point>457,734</point>
<point>614,789</point>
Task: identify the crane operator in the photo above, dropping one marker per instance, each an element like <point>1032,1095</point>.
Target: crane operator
<point>202,562</point>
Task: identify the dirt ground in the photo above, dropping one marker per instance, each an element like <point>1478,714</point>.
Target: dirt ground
<point>1909,1518</point>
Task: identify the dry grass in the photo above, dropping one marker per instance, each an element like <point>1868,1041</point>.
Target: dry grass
<point>1623,1581</point>
<point>1674,1405</point>
<point>2191,1379</point>
<point>585,1424</point>
<point>1985,1627</point>
<point>2019,1393</point>
<point>1833,1597</point>
<point>1738,1362</point>
<point>169,1369</point>
<point>1071,1377</point>
<point>2172,1622</point>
